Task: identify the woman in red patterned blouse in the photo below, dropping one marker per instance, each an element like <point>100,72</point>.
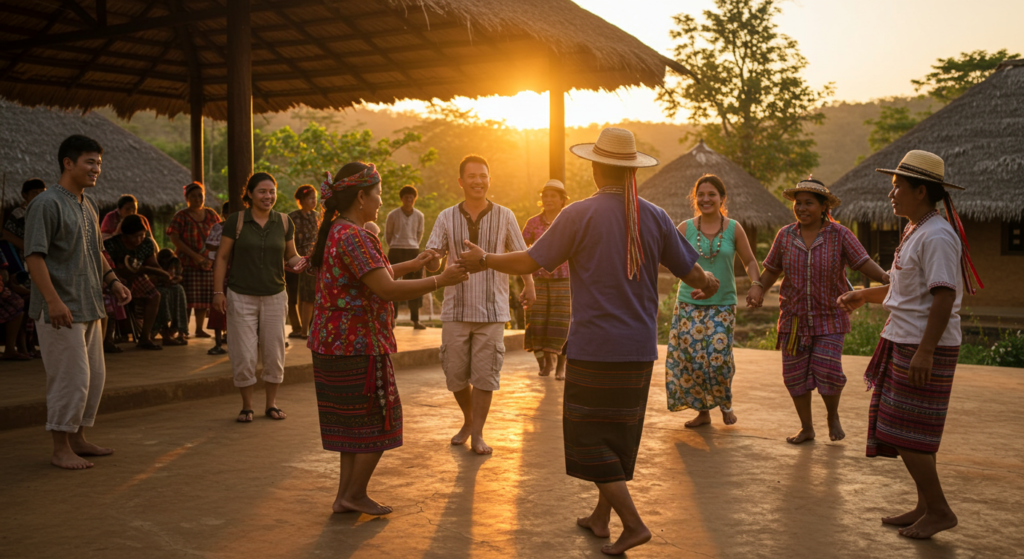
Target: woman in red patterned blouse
<point>188,231</point>
<point>351,334</point>
<point>812,327</point>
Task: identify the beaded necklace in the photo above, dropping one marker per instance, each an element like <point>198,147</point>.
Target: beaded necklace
<point>700,235</point>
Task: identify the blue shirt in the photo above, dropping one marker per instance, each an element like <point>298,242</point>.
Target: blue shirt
<point>614,318</point>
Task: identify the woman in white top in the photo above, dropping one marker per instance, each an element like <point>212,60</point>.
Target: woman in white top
<point>912,368</point>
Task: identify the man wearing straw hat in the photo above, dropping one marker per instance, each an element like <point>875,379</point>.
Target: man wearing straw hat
<point>614,243</point>
<point>912,368</point>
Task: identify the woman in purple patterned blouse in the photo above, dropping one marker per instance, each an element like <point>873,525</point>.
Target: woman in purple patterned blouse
<point>547,320</point>
<point>812,327</point>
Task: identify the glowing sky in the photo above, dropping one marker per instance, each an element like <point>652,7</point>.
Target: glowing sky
<point>868,48</point>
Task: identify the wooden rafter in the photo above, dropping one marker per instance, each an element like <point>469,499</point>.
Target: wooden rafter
<point>86,68</point>
<point>54,18</point>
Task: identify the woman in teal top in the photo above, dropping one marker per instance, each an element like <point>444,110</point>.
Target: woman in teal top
<point>700,367</point>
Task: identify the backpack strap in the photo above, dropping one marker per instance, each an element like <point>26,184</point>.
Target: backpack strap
<point>239,224</point>
<point>287,223</point>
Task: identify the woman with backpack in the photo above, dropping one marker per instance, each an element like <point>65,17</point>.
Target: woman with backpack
<point>257,242</point>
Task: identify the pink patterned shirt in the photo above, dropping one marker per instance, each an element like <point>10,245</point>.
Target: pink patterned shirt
<point>535,227</point>
<point>814,278</point>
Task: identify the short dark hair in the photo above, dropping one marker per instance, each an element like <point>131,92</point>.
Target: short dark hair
<point>410,189</point>
<point>32,184</point>
<point>472,159</point>
<point>254,181</point>
<point>936,192</point>
<point>132,224</point>
<point>126,199</point>
<point>303,191</point>
<point>74,146</point>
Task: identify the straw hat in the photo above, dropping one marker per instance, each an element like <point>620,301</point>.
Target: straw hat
<point>616,147</point>
<point>922,165</point>
<point>556,185</point>
<point>811,184</point>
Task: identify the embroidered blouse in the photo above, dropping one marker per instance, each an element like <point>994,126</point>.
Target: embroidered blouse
<point>192,232</point>
<point>535,227</point>
<point>349,319</point>
<point>814,278</point>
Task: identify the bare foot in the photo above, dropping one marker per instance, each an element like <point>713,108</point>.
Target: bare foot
<point>703,418</point>
<point>480,447</point>
<point>86,448</point>
<point>598,527</point>
<point>546,366</point>
<point>835,429</point>
<point>365,505</point>
<point>929,525</point>
<point>463,435</point>
<point>70,461</point>
<point>729,418</point>
<point>803,436</point>
<point>905,519</point>
<point>627,540</point>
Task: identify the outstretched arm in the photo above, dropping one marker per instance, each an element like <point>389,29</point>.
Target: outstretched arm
<point>518,263</point>
<point>386,287</point>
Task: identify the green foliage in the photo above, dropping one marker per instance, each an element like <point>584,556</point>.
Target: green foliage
<point>750,101</point>
<point>866,325</point>
<point>955,75</point>
<point>1007,352</point>
<point>303,158</point>
<point>891,124</point>
<point>666,312</point>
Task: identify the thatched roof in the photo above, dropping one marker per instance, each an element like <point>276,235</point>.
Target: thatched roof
<point>29,139</point>
<point>320,53</point>
<point>980,137</point>
<point>747,200</point>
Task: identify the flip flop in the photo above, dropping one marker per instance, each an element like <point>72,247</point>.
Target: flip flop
<point>245,413</point>
<point>270,411</point>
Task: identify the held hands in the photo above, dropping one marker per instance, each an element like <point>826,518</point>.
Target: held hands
<point>755,297</point>
<point>425,257</point>
<point>850,301</point>
<point>470,259</point>
<point>528,297</point>
<point>301,265</point>
<point>709,290</point>
<point>452,275</point>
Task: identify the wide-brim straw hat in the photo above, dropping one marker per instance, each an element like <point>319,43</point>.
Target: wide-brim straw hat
<point>918,164</point>
<point>616,147</point>
<point>813,185</point>
<point>556,185</point>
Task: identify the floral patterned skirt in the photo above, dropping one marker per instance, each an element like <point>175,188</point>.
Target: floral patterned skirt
<point>700,366</point>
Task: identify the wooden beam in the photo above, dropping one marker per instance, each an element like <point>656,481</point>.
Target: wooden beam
<point>44,62</point>
<point>556,119</point>
<point>17,58</point>
<point>239,58</point>
<point>85,68</point>
<point>101,12</point>
<point>79,11</point>
<point>90,87</point>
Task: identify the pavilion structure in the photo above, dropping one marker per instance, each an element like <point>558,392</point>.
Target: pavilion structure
<point>228,59</point>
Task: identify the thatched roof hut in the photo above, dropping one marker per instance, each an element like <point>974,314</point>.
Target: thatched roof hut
<point>29,139</point>
<point>320,53</point>
<point>980,136</point>
<point>748,201</point>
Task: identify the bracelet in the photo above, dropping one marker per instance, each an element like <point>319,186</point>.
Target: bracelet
<point>118,280</point>
<point>108,272</point>
<point>757,283</point>
<point>435,282</point>
<point>218,292</point>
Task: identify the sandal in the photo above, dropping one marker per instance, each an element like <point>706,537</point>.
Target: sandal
<point>270,413</point>
<point>216,350</point>
<point>148,345</point>
<point>111,347</point>
<point>294,334</point>
<point>246,414</point>
<point>174,342</point>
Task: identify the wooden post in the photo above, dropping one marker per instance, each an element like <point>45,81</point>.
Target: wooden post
<point>239,100</point>
<point>196,122</point>
<point>556,122</point>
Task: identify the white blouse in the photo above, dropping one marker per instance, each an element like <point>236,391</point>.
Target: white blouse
<point>929,258</point>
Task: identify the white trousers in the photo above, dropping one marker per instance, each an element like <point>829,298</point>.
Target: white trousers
<point>256,329</point>
<point>75,373</point>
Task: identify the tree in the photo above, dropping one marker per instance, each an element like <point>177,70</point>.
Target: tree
<point>300,158</point>
<point>892,123</point>
<point>953,76</point>
<point>749,100</point>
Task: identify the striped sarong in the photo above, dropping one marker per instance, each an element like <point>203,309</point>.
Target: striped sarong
<point>903,415</point>
<point>358,402</point>
<point>603,418</point>
<point>198,286</point>
<point>547,321</point>
<point>817,362</point>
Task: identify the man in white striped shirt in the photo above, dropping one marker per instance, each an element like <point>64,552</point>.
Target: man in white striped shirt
<point>474,312</point>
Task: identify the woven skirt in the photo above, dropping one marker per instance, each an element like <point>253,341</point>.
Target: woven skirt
<point>358,402</point>
<point>198,286</point>
<point>816,363</point>
<point>547,321</point>
<point>903,415</point>
<point>603,418</point>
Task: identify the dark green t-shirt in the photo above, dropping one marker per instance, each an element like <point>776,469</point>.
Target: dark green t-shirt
<point>257,258</point>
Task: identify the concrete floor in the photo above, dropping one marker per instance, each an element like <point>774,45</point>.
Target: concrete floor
<point>186,481</point>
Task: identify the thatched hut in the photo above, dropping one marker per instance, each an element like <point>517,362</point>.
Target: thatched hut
<point>980,136</point>
<point>29,138</point>
<point>748,201</point>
